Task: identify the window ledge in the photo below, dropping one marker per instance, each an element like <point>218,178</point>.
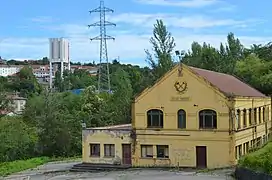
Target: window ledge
<point>93,156</point>
<point>208,129</point>
<point>147,158</point>
<point>154,127</point>
<point>162,158</point>
<point>109,157</point>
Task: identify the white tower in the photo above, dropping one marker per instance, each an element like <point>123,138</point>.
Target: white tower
<point>58,54</point>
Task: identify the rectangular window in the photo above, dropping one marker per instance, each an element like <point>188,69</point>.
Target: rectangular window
<point>162,151</point>
<point>264,114</point>
<point>240,151</point>
<point>244,118</point>
<point>267,113</point>
<point>95,150</point>
<point>147,151</point>
<point>260,115</point>
<point>109,150</point>
<point>247,147</point>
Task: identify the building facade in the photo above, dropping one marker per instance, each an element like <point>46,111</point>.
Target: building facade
<point>198,118</point>
<point>8,70</point>
<point>110,145</point>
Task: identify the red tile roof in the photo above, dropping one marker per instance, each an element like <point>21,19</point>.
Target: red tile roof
<point>228,84</point>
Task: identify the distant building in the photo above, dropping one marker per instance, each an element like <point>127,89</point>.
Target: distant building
<point>17,105</point>
<point>58,54</point>
<point>6,70</point>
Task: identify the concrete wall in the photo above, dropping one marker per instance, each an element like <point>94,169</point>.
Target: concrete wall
<point>182,142</point>
<point>104,136</point>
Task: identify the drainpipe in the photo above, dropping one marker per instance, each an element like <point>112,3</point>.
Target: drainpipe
<point>83,127</point>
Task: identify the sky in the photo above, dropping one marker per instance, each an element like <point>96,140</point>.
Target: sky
<point>27,25</point>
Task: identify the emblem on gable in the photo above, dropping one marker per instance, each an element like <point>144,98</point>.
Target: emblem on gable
<point>180,87</point>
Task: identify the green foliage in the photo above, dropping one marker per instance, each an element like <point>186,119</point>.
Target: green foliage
<point>51,122</point>
<point>57,118</point>
<point>20,165</point>
<point>260,160</point>
<point>163,45</point>
<point>17,139</point>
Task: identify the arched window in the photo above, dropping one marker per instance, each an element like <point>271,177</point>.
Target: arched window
<point>207,119</point>
<point>155,118</point>
<point>181,119</point>
<point>238,118</point>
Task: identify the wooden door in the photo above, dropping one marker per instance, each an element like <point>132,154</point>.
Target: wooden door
<point>126,154</point>
<point>201,156</point>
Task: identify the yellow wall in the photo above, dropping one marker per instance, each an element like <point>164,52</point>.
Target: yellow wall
<point>99,136</point>
<point>198,96</point>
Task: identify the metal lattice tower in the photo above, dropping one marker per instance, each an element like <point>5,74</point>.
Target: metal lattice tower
<point>103,71</point>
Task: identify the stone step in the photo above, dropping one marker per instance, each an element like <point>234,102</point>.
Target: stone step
<point>90,167</point>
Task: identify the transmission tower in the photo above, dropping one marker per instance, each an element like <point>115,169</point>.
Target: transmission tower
<point>103,71</point>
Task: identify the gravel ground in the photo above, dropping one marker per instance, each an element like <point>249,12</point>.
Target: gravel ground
<point>51,171</point>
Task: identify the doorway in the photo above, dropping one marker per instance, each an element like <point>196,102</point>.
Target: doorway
<point>201,157</point>
<point>126,154</point>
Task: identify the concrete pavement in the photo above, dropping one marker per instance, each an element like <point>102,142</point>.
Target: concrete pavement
<point>59,171</point>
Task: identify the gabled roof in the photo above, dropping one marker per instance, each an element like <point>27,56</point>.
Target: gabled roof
<point>228,84</point>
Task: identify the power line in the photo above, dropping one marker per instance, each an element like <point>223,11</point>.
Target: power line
<point>103,70</point>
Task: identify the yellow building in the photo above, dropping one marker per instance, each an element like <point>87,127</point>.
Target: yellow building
<point>107,145</point>
<point>190,118</point>
<point>197,118</point>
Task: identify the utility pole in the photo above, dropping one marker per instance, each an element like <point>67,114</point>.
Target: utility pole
<point>103,72</point>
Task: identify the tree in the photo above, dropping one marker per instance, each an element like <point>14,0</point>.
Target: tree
<point>163,45</point>
<point>56,116</point>
<point>256,72</point>
<point>26,83</point>
<point>121,88</point>
<point>93,108</point>
<point>18,141</point>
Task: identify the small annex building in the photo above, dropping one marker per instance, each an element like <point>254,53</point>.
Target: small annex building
<point>107,145</point>
<point>191,117</point>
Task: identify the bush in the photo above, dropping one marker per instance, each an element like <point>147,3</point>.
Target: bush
<point>18,140</point>
<point>20,165</point>
<point>260,160</point>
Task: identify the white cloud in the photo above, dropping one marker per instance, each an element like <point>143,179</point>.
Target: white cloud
<point>42,19</point>
<point>186,3</point>
<point>128,44</point>
<point>175,20</point>
<point>127,47</point>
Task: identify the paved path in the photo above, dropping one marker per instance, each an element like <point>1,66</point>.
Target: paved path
<point>45,173</point>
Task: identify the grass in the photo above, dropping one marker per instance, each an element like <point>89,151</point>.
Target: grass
<point>8,168</point>
<point>260,160</point>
